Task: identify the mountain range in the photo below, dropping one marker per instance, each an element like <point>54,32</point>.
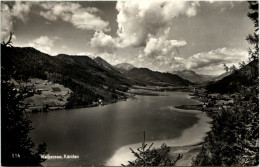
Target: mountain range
<point>89,79</point>
<point>192,76</point>
<point>199,78</point>
<point>145,75</point>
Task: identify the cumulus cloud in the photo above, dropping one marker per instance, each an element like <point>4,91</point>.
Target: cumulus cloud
<point>74,13</point>
<point>146,24</point>
<point>103,43</point>
<point>160,51</point>
<point>81,18</point>
<point>211,62</point>
<point>19,10</point>
<point>162,46</point>
<point>143,24</point>
<point>217,57</point>
<point>137,19</point>
<point>6,21</point>
<point>43,43</point>
<point>205,63</point>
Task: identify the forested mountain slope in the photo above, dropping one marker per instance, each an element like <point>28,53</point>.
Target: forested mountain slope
<point>149,77</point>
<point>88,80</point>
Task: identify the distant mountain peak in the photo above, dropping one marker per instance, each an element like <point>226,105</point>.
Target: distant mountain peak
<point>189,71</point>
<point>192,76</point>
<point>186,71</point>
<point>125,66</point>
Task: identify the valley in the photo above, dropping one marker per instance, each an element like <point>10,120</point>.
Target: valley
<point>129,83</point>
<point>90,80</point>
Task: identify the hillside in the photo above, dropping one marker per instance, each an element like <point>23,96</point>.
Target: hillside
<point>192,76</point>
<point>90,80</point>
<point>146,76</point>
<point>105,64</point>
<point>233,82</point>
<point>221,76</point>
<point>98,66</point>
<point>87,79</point>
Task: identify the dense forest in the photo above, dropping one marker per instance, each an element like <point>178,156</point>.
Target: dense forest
<point>234,138</point>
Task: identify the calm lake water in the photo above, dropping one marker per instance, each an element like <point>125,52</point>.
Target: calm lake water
<point>96,134</point>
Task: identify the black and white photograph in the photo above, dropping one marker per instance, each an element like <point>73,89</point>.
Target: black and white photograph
<point>129,83</point>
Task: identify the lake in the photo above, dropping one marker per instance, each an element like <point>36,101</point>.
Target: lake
<point>102,135</point>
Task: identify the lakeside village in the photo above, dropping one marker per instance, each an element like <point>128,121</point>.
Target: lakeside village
<point>44,95</point>
<point>212,103</point>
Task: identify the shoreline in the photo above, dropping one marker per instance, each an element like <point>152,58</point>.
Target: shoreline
<point>190,151</point>
<point>59,108</point>
<point>130,96</point>
<point>189,154</point>
<point>178,144</point>
<point>182,144</point>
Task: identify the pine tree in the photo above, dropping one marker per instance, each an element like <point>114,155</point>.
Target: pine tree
<point>145,156</point>
<point>17,147</point>
<point>254,40</point>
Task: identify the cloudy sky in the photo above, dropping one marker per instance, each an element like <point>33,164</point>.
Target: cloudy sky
<point>160,35</point>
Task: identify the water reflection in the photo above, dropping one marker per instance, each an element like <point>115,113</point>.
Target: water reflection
<point>95,134</point>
